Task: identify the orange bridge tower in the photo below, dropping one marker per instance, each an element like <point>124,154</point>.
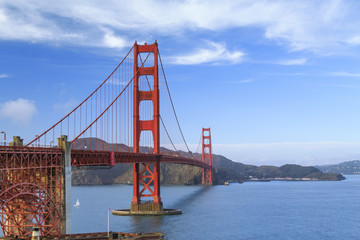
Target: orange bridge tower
<point>206,156</point>
<point>148,175</point>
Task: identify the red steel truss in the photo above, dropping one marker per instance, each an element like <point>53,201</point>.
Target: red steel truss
<point>206,156</point>
<point>81,158</point>
<point>150,172</point>
<point>30,190</point>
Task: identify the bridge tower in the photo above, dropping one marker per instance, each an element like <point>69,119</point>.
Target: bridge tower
<point>149,174</point>
<point>206,156</point>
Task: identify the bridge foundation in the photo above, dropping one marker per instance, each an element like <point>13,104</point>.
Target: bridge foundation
<point>146,207</point>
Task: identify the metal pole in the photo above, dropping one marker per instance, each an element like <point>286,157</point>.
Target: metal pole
<point>108,222</point>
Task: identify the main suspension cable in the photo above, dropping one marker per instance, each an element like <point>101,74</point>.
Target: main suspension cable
<point>60,121</point>
<point>172,104</point>
<point>112,101</point>
<point>198,144</point>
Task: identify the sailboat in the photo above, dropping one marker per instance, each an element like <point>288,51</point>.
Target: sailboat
<point>77,204</point>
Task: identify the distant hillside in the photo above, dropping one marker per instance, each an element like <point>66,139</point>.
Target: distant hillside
<point>225,170</point>
<point>235,171</point>
<point>347,168</point>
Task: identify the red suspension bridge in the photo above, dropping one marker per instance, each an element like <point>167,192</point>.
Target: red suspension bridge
<point>35,178</point>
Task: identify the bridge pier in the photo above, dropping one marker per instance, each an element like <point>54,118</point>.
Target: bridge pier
<point>17,142</point>
<point>66,185</point>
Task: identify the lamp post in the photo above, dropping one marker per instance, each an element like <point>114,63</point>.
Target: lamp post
<point>4,137</point>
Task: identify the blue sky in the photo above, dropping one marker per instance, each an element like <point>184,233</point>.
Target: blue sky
<point>277,81</point>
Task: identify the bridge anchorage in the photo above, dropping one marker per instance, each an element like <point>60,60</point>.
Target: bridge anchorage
<point>35,179</point>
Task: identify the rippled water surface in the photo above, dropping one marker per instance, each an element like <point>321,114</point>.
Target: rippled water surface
<point>265,210</point>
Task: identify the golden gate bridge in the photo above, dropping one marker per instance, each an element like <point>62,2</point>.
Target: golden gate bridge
<point>35,178</point>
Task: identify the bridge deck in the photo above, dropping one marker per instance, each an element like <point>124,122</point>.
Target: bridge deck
<point>95,158</point>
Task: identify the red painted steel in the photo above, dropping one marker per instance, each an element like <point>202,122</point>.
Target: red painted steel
<point>30,190</point>
<point>206,156</point>
<point>31,179</point>
<point>149,175</point>
<point>81,158</point>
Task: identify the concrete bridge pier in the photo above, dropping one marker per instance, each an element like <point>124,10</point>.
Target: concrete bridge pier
<point>66,185</point>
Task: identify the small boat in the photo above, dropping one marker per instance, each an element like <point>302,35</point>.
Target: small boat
<point>226,183</point>
<point>77,204</point>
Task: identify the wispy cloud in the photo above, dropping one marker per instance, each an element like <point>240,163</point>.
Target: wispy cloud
<point>355,40</point>
<point>110,40</point>
<point>215,53</point>
<point>345,74</point>
<point>4,76</point>
<point>298,61</point>
<point>19,111</point>
<point>317,26</point>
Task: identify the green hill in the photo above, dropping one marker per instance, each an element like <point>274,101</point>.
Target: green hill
<point>224,170</point>
<point>347,168</point>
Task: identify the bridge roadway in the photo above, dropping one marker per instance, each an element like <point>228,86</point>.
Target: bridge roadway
<point>94,157</point>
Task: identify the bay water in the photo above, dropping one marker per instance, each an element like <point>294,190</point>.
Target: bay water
<point>254,210</point>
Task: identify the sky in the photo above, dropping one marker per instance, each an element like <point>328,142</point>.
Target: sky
<point>277,81</point>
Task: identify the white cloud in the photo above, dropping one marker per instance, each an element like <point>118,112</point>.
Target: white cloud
<point>317,26</point>
<point>4,76</point>
<point>298,61</point>
<point>29,26</point>
<point>112,41</point>
<point>20,111</point>
<point>345,74</point>
<point>215,53</point>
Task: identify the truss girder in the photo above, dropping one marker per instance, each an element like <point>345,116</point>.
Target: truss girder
<point>30,190</point>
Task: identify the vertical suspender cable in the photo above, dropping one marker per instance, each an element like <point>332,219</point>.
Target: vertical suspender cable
<point>172,104</point>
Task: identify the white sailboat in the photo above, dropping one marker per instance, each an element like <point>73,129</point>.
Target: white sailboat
<point>77,204</point>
